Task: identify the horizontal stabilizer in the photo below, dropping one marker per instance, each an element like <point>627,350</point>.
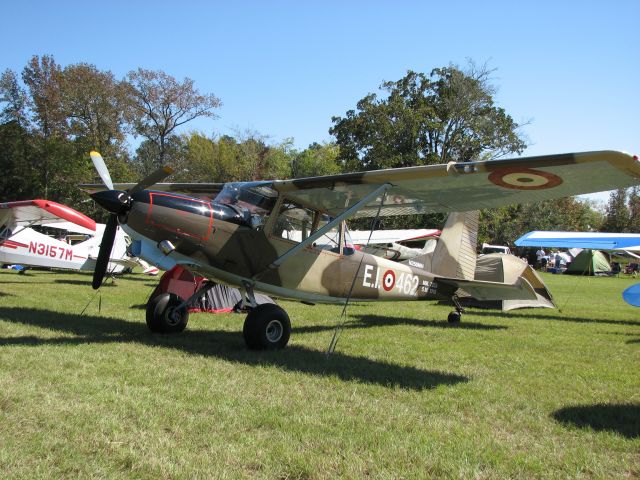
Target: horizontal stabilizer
<point>482,290</point>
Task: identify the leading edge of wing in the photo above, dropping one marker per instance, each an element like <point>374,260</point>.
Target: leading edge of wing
<point>591,240</point>
<point>622,160</point>
<point>35,212</point>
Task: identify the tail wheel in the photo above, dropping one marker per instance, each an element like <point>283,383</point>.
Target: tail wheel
<point>267,327</point>
<point>163,316</point>
<point>454,317</point>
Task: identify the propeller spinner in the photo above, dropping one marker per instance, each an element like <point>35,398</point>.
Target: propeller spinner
<point>116,202</point>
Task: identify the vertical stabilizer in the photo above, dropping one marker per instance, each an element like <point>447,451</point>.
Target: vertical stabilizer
<point>455,252</point>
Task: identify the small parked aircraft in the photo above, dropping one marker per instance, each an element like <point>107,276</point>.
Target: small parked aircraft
<point>396,245</point>
<point>232,232</point>
<point>21,244</point>
<point>624,242</point>
<point>619,243</point>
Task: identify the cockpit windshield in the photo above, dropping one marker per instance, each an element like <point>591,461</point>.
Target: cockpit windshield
<point>256,197</point>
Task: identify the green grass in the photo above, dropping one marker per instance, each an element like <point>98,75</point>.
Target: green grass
<point>524,394</point>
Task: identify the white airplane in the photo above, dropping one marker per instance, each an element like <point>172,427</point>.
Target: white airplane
<point>390,244</point>
<point>20,244</point>
<point>396,244</point>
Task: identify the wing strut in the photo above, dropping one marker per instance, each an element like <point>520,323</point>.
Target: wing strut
<point>336,333</point>
<point>318,233</point>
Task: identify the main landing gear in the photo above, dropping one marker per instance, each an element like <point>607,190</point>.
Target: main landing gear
<point>456,315</point>
<point>267,326</point>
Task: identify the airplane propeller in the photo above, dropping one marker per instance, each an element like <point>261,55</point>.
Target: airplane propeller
<point>116,202</point>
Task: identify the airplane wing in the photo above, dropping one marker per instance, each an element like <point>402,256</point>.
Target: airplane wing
<point>205,190</point>
<point>448,187</point>
<point>391,236</point>
<point>37,212</point>
<point>592,240</point>
<point>467,186</point>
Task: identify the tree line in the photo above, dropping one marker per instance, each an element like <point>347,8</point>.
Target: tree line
<point>51,116</point>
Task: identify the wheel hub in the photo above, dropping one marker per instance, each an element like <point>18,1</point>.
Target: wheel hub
<point>173,316</point>
<point>274,331</point>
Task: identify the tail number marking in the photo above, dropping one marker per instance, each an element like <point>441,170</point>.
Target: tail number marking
<point>50,251</point>
<point>406,283</point>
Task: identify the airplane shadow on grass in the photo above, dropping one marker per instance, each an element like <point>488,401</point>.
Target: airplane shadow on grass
<point>369,321</point>
<point>542,316</point>
<point>220,344</point>
<point>623,419</point>
<point>82,283</point>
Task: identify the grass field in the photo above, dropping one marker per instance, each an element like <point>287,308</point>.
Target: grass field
<point>524,394</point>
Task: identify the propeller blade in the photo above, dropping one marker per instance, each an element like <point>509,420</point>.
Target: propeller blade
<point>101,167</point>
<point>152,179</point>
<point>106,245</point>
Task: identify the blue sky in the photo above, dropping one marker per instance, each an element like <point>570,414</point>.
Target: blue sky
<point>284,68</point>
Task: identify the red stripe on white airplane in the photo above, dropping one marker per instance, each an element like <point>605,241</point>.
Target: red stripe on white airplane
<point>12,244</point>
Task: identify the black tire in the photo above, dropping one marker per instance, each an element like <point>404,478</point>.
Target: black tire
<point>454,317</point>
<point>267,327</point>
<point>162,315</point>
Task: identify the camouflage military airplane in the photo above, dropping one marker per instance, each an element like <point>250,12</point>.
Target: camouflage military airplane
<point>235,232</point>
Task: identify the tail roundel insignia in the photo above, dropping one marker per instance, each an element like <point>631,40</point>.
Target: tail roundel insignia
<point>518,178</point>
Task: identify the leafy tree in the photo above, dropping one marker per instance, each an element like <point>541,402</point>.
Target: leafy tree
<point>146,157</point>
<point>160,104</point>
<point>448,115</point>
<point>225,159</point>
<point>506,224</point>
<point>19,180</point>
<point>94,104</point>
<point>14,99</point>
<point>634,210</point>
<point>278,159</point>
<point>317,159</point>
<point>256,160</point>
<point>202,163</point>
<point>43,77</point>
<point>617,213</point>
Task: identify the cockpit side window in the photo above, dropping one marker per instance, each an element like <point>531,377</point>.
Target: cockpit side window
<point>294,222</point>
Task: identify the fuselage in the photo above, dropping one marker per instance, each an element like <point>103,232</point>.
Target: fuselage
<point>227,244</point>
